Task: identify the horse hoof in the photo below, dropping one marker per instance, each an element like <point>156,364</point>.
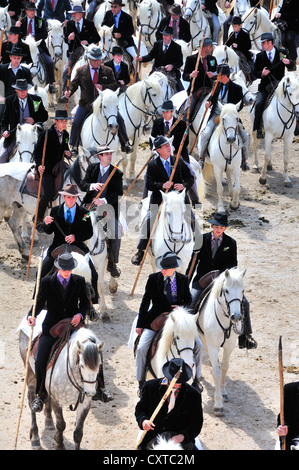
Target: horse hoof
<point>255,170</point>
<point>263,181</point>
<point>225,397</point>
<point>234,208</point>
<point>35,445</point>
<point>218,411</point>
<point>269,167</point>
<point>106,317</point>
<point>113,289</point>
<point>288,184</point>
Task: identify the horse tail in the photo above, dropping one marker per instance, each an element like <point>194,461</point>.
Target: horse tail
<point>208,171</point>
<point>201,187</point>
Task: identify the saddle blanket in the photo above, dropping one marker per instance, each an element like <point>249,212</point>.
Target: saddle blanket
<point>23,326</point>
<point>17,170</point>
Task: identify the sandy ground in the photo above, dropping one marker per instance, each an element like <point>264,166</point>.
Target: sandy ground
<point>264,226</point>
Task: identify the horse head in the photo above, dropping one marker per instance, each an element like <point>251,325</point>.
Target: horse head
<point>178,336</point>
<point>173,217</point>
<point>88,358</point>
<point>5,21</point>
<point>229,286</point>
<point>152,95</point>
<point>228,122</point>
<point>190,7</point>
<point>289,90</point>
<point>106,105</point>
<point>26,139</point>
<point>56,38</point>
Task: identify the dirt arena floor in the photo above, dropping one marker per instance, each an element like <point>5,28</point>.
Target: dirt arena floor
<point>266,229</point>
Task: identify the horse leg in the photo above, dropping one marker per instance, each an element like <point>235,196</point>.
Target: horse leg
<point>133,157</point>
<point>286,144</point>
<point>227,350</point>
<point>124,167</point>
<point>60,425</point>
<point>33,434</point>
<point>14,224</point>
<point>219,185</point>
<point>235,190</point>
<point>78,432</point>
<point>268,148</point>
<point>218,401</point>
<point>254,146</point>
<point>49,423</point>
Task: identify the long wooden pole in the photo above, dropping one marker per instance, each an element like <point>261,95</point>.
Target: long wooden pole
<point>194,78</point>
<point>37,203</point>
<point>105,184</point>
<point>161,403</point>
<point>29,346</point>
<point>137,61</point>
<point>280,366</point>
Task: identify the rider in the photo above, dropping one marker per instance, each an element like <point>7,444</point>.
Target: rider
<point>226,92</point>
<point>175,19</point>
<point>13,39</point>
<point>95,178</point>
<point>90,78</point>
<point>20,108</point>
<point>211,7</point>
<point>240,42</point>
<point>218,253</point>
<point>164,291</point>
<point>119,68</point>
<point>157,180</point>
<point>64,295</point>
<point>270,67</point>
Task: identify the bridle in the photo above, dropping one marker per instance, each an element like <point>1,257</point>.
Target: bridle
<point>170,236</point>
<point>231,145</point>
<point>288,124</point>
<point>227,313</point>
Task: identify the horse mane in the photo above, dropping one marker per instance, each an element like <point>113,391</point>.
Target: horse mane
<point>227,109</point>
<point>54,25</point>
<point>90,350</point>
<point>234,279</point>
<point>184,325</point>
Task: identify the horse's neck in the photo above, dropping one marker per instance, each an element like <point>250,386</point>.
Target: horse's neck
<point>135,103</point>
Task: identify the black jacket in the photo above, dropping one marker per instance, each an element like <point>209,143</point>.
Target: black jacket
<point>125,27</point>
<point>123,71</point>
<point>54,150</point>
<point>50,297</point>
<point>185,418</point>
<point>8,77</point>
<point>225,258</point>
<point>154,296</point>
<point>243,42</point>
<point>202,80</point>
<point>184,28</point>
<point>276,67</point>
<point>88,33</point>
<point>172,56</point>
<point>177,133</point>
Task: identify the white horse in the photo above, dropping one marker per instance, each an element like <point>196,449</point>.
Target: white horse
<point>173,232</point>
<point>101,126</point>
<point>220,324</point>
<point>258,23</point>
<point>5,21</point>
<point>225,156</point>
<point>279,120</point>
<point>71,380</point>
<point>58,49</point>
<point>177,340</point>
<point>140,101</point>
<point>199,24</point>
<point>26,138</point>
<point>149,14</point>
<point>37,68</point>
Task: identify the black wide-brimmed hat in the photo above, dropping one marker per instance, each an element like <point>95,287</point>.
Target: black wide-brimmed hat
<point>167,31</point>
<point>219,219</point>
<point>266,37</point>
<point>168,106</point>
<point>223,69</point>
<point>168,261</point>
<point>175,9</point>
<point>171,367</point>
<point>16,51</point>
<point>117,50</point>
<point>70,190</point>
<point>65,262</point>
<point>117,2</point>
<point>77,9</point>
<point>30,6</point>
<point>237,20</point>
<point>14,30</point>
<point>61,114</point>
<point>21,84</point>
<point>159,141</point>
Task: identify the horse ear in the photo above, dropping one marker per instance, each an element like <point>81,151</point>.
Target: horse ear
<point>172,317</point>
<point>226,273</point>
<point>38,42</point>
<point>100,345</point>
<point>243,272</point>
<point>163,195</point>
<point>19,127</point>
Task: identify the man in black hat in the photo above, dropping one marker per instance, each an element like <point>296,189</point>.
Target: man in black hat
<point>123,29</point>
<point>163,291</point>
<point>180,418</point>
<point>269,66</point>
<point>20,108</point>
<point>218,253</point>
<point>13,70</point>
<point>37,27</point>
<point>226,92</point>
<point>240,42</point>
<point>13,39</point>
<point>108,204</point>
<point>64,295</point>
<point>119,68</point>
<point>90,78</point>
<point>168,54</point>
<point>78,32</point>
<point>157,180</point>
<point>181,27</point>
<point>56,149</point>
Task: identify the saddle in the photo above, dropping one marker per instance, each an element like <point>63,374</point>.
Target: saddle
<point>30,183</point>
<point>206,282</point>
<point>61,332</point>
<point>157,326</point>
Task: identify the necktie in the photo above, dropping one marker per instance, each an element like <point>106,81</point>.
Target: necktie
<point>215,248</point>
<point>223,91</point>
<point>78,26</point>
<point>95,76</point>
<point>117,68</point>
<point>204,63</point>
<point>168,291</point>
<point>166,127</point>
<point>114,19</point>
<point>167,167</point>
<point>270,56</point>
<point>53,4</point>
<point>165,49</point>
<point>22,111</point>
<point>175,33</point>
<point>29,30</point>
<point>69,216</point>
<point>64,283</point>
